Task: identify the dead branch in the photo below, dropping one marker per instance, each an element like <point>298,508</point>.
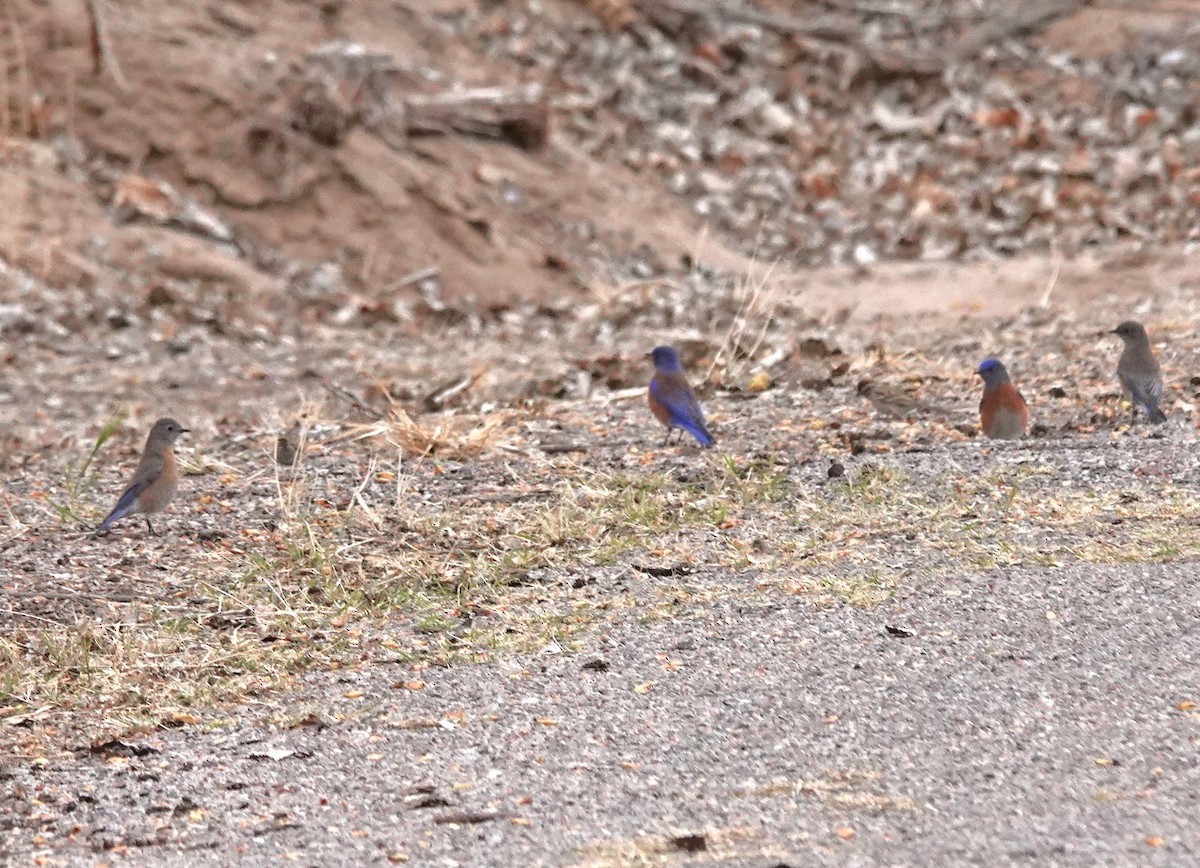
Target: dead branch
<point>846,32</point>
<point>836,32</point>
<point>519,117</point>
<point>867,7</point>
<point>348,396</point>
<point>339,89</point>
<point>103,57</point>
<point>834,28</point>
<point>23,84</point>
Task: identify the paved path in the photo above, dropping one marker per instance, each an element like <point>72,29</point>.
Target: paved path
<point>1032,717</point>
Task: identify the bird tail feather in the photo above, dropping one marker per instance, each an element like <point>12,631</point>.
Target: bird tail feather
<point>116,515</point>
<point>1155,415</point>
<point>124,506</point>
<point>697,430</point>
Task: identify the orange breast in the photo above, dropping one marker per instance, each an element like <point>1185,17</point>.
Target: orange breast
<point>661,413</point>
<point>1003,412</point>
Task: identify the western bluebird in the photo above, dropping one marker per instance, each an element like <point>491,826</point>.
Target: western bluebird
<point>155,479</point>
<point>1138,371</point>
<point>1003,413</point>
<point>672,400</point>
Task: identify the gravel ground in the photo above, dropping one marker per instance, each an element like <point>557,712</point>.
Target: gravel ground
<point>1031,715</point>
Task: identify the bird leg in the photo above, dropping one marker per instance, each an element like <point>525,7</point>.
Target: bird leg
<point>149,526</point>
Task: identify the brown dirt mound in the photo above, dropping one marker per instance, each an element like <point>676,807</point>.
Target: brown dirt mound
<point>310,133</point>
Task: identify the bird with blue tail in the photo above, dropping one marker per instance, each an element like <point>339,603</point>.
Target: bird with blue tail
<point>1138,371</point>
<point>1003,413</point>
<point>672,400</point>
<point>156,478</point>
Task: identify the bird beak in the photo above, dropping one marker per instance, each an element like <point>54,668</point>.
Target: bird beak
<point>647,356</point>
<point>185,430</point>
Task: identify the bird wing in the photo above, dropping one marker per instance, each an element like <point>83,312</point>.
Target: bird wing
<point>1143,390</point>
<point>678,399</point>
<point>148,470</point>
<point>124,504</point>
<point>680,402</point>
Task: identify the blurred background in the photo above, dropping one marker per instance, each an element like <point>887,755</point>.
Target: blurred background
<point>228,199</point>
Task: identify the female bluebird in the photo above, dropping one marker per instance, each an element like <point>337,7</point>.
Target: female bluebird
<point>155,479</point>
<point>672,400</point>
<point>1003,413</point>
<point>1138,371</point>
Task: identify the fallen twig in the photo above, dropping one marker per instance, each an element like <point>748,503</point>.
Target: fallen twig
<point>426,273</point>
<point>346,395</point>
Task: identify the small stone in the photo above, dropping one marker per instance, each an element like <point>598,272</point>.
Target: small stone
<point>775,121</point>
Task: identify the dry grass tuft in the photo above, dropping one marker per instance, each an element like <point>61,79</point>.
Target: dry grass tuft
<point>454,436</point>
<point>758,296</point>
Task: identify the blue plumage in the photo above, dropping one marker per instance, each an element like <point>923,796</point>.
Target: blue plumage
<point>672,400</point>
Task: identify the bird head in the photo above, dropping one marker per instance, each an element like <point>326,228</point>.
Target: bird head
<point>993,372</point>
<point>666,360</point>
<point>164,434</point>
<point>1131,331</point>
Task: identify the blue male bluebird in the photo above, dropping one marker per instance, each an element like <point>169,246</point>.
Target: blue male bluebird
<point>156,477</point>
<point>672,400</point>
<point>1138,371</point>
<point>1003,413</point>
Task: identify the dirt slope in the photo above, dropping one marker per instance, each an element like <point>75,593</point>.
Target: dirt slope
<point>257,113</point>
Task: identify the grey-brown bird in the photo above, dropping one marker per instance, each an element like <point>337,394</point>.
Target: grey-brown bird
<point>156,478</point>
<point>1138,371</point>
